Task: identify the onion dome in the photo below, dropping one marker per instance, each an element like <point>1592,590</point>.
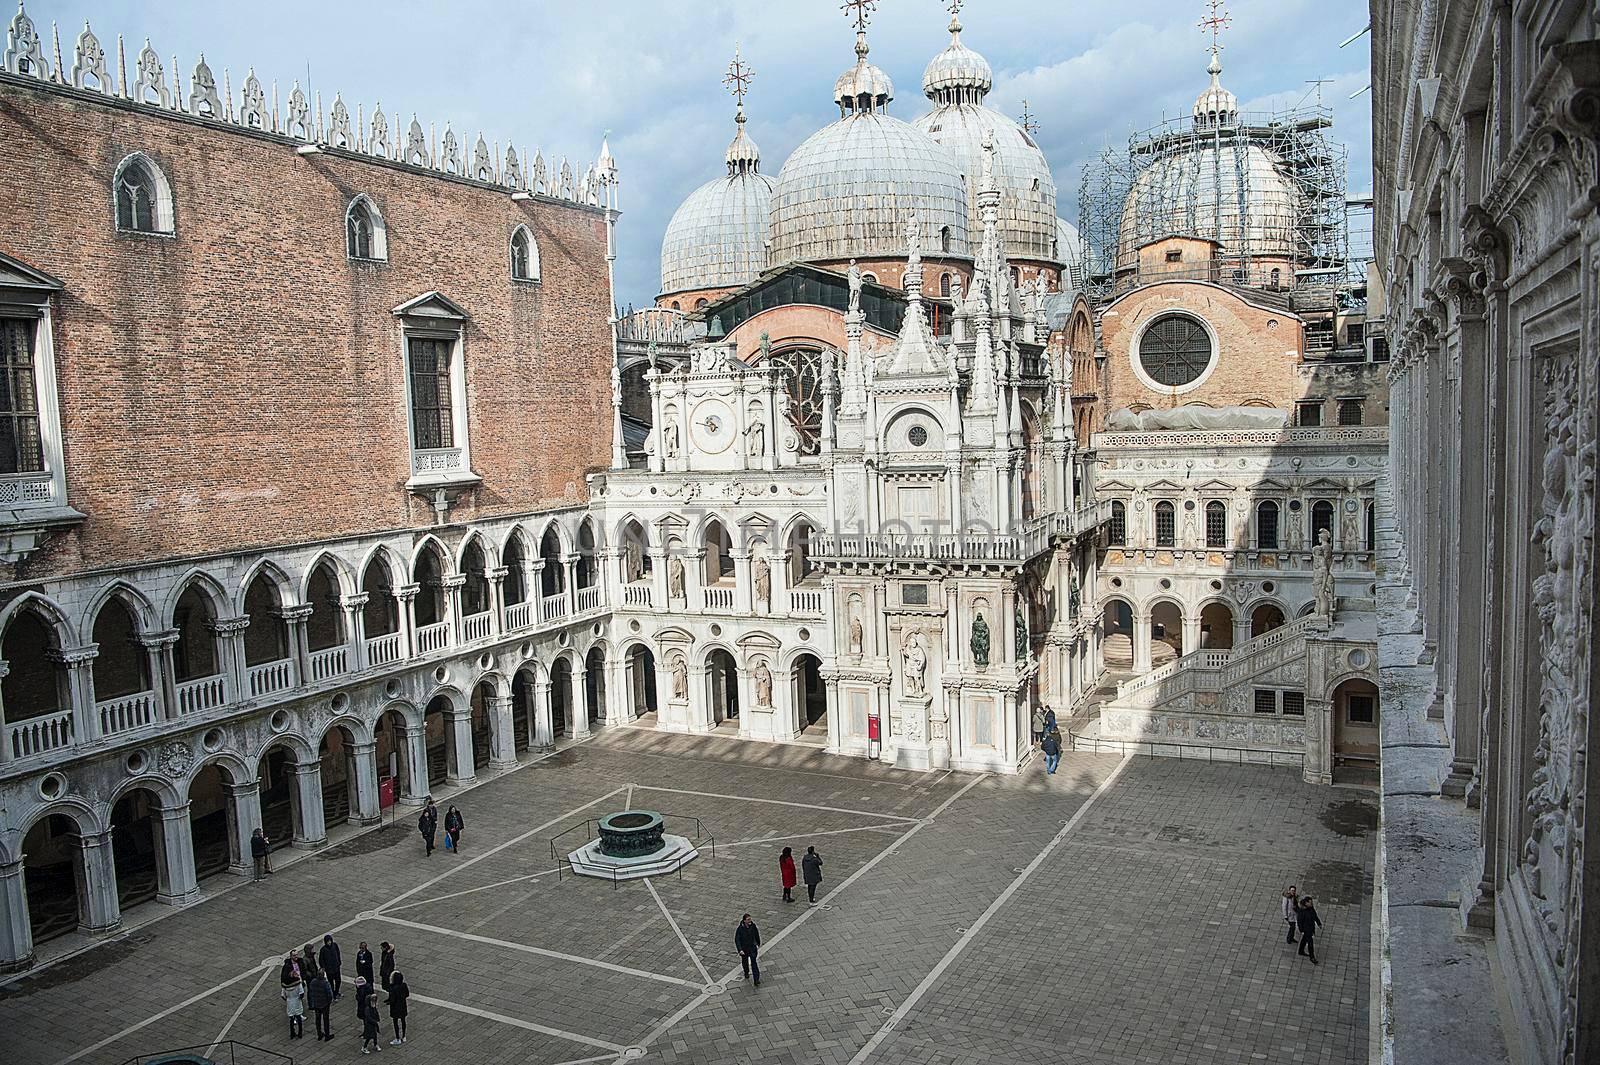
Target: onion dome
<point>1216,108</point>
<point>718,236</point>
<point>957,75</point>
<point>846,191</point>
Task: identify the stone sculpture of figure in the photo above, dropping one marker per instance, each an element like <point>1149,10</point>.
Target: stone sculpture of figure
<point>680,678</point>
<point>755,440</point>
<point>914,663</point>
<point>980,642</point>
<point>855,635</point>
<point>1073,595</point>
<point>616,387</point>
<point>766,347</point>
<point>763,577</point>
<point>913,239</point>
<point>1322,572</point>
<point>675,578</point>
<point>1022,634</point>
<point>763,681</point>
<point>669,439</point>
<point>1348,535</point>
<point>854,276</point>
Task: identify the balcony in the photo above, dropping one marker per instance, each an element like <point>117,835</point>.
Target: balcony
<point>637,594</point>
<point>433,637</point>
<point>806,602</point>
<point>384,649</point>
<point>329,663</point>
<point>201,694</point>
<point>125,713</point>
<point>588,599</point>
<point>552,607</point>
<point>36,735</point>
<point>519,615</point>
<point>476,626</point>
<point>718,597</point>
<point>270,677</point>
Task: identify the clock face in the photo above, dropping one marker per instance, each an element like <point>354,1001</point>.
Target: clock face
<point>712,426</point>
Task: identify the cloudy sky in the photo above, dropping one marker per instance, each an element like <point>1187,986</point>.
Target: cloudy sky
<point>558,75</point>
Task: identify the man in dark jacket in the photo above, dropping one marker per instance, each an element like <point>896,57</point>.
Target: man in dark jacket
<point>811,871</point>
<point>428,824</point>
<point>364,994</point>
<point>1052,750</point>
<point>747,941</point>
<point>329,957</point>
<point>319,996</point>
<point>364,963</point>
<point>259,851</point>
<point>1305,916</point>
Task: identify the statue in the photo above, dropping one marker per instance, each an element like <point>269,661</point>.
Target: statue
<point>669,440</point>
<point>914,663</point>
<point>980,642</point>
<point>755,440</point>
<point>765,347</point>
<point>1022,634</point>
<point>680,678</point>
<point>763,681</point>
<point>854,277</point>
<point>616,387</point>
<point>763,576</point>
<point>1073,594</point>
<point>1322,573</point>
<point>913,239</point>
<point>675,578</point>
<point>1348,538</point>
<point>855,635</point>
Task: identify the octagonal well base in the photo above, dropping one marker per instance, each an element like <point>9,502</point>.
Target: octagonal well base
<point>588,860</point>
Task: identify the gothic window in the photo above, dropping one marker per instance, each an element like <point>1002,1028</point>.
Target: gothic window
<point>1349,412</point>
<point>1321,518</point>
<point>143,198</point>
<point>365,235</point>
<point>1118,533</point>
<point>871,279</point>
<point>21,445</point>
<point>801,370</point>
<point>1267,525</point>
<point>1216,524</point>
<point>432,419</point>
<point>701,303</point>
<point>944,284</point>
<point>1166,525</point>
<point>524,256</point>
<point>1174,351</point>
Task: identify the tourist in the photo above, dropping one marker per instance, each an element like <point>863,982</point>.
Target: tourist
<point>399,991</point>
<point>259,852</point>
<point>364,994</point>
<point>747,940</point>
<point>369,1025</point>
<point>308,963</point>
<point>290,972</point>
<point>294,1004</point>
<point>452,830</point>
<point>811,870</point>
<point>364,962</point>
<point>428,824</point>
<point>1052,750</point>
<point>786,869</point>
<point>1038,725</point>
<point>329,957</point>
<point>385,964</point>
<point>1307,919</point>
<point>1049,721</point>
<point>319,995</point>
<point>1290,898</point>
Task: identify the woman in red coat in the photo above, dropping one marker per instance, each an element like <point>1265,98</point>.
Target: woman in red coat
<point>786,866</point>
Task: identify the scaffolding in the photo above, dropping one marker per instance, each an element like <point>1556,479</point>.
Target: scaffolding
<point>1269,189</point>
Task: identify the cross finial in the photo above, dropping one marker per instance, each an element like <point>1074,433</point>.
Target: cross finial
<point>1215,22</point>
<point>1029,122</point>
<point>860,11</point>
<point>955,7</point>
<point>738,78</point>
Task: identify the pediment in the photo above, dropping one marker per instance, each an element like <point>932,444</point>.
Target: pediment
<point>1164,485</point>
<point>434,305</point>
<point>19,281</point>
<point>674,634</point>
<point>1103,487</point>
<point>1214,486</point>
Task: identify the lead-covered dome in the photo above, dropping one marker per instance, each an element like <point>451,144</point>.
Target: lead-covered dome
<point>846,191</point>
<point>957,81</point>
<point>718,236</point>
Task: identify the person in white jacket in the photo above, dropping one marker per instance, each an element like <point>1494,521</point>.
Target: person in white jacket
<point>1291,898</point>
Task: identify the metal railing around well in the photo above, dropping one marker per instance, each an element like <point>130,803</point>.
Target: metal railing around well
<point>227,1052</point>
<point>558,854</point>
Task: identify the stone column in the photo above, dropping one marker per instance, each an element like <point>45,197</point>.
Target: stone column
<point>406,597</point>
<point>578,727</point>
<point>535,572</point>
<point>98,912</point>
<point>415,763</point>
<point>694,579</point>
<point>244,817</point>
<point>299,647</point>
<point>835,714</point>
<point>503,746</point>
<point>1141,643</point>
<point>569,570</point>
<point>496,576</point>
<point>459,769</point>
<point>544,733</point>
<point>80,688</point>
<point>700,717</point>
<point>1191,633</point>
<point>355,630</point>
<point>230,649</point>
<point>310,826</point>
<point>619,691</point>
<point>744,595</point>
<point>158,661</point>
<point>1318,764</point>
<point>361,772</point>
<point>176,879</point>
<point>16,931</point>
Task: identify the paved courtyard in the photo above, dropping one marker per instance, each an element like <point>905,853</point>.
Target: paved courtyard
<point>1118,912</point>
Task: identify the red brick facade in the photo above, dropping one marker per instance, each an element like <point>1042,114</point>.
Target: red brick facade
<point>241,382</point>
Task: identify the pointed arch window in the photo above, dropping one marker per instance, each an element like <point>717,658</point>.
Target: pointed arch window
<point>524,256</point>
<point>944,284</point>
<point>365,237</point>
<point>143,197</point>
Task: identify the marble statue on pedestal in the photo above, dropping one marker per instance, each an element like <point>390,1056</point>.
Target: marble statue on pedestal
<point>914,665</point>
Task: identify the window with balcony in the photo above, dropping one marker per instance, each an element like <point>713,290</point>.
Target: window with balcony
<point>33,486</point>
<point>434,330</point>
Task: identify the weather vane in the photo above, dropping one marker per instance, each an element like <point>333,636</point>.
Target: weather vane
<point>1030,123</point>
<point>1215,22</point>
<point>863,12</point>
<point>740,75</point>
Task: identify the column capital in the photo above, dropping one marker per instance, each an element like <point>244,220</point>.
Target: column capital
<point>498,702</point>
<point>230,626</point>
<point>305,769</point>
<point>362,746</point>
<point>74,656</point>
<point>497,573</point>
<point>406,592</point>
<point>455,580</point>
<point>296,613</point>
<point>409,730</point>
<point>155,641</point>
<point>243,788</point>
<point>354,602</point>
<point>176,812</point>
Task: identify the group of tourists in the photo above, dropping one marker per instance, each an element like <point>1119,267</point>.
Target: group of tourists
<point>1047,737</point>
<point>1300,914</point>
<point>312,979</point>
<point>747,937</point>
<point>428,825</point>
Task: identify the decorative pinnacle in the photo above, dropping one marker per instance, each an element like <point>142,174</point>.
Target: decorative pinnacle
<point>955,15</point>
<point>862,9</point>
<point>1028,121</point>
<point>1215,22</point>
<point>738,78</point>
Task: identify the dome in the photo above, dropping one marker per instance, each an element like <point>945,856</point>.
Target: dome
<point>1216,108</point>
<point>957,74</point>
<point>1027,189</point>
<point>1232,192</point>
<point>863,87</point>
<point>718,236</point>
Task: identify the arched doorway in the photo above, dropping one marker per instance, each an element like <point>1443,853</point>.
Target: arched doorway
<point>1265,618</point>
<point>560,696</point>
<point>136,846</point>
<point>268,667</point>
<point>280,818</point>
<point>810,697</point>
<point>1166,632</point>
<point>641,680</point>
<point>1116,641</point>
<point>53,877</point>
<point>212,823</point>
<point>482,726</point>
<point>393,754</point>
<point>1355,727</point>
<point>428,609</point>
<point>439,739</point>
<point>722,687</point>
<point>337,759</point>
<point>35,689</point>
<point>594,684</point>
<point>522,695</point>
<point>380,615</point>
<point>1216,627</point>
<point>196,662</point>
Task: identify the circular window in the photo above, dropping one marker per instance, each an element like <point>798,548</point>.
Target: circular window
<point>279,720</point>
<point>52,786</point>
<point>1165,584</point>
<point>1216,586</point>
<point>1268,587</point>
<point>137,761</point>
<point>392,689</point>
<point>441,674</point>
<point>340,703</point>
<point>1294,504</point>
<point>716,630</point>
<point>917,435</point>
<point>486,661</point>
<point>1188,504</point>
<point>212,740</point>
<point>804,634</point>
<point>1116,582</point>
<point>1175,351</point>
<point>527,649</point>
<point>634,626</point>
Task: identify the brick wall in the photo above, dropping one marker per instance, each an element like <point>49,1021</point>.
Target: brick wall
<point>241,382</point>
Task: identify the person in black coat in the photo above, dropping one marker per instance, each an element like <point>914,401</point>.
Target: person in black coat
<point>364,962</point>
<point>369,1025</point>
<point>811,871</point>
<point>399,992</point>
<point>308,963</point>
<point>428,824</point>
<point>1305,917</point>
<point>331,962</point>
<point>453,824</point>
<point>319,996</point>
<point>260,853</point>
<point>364,994</point>
<point>747,941</point>
<point>385,964</point>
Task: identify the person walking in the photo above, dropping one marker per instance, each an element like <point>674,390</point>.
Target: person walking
<point>319,996</point>
<point>1290,900</point>
<point>428,824</point>
<point>811,871</point>
<point>1052,750</point>
<point>1307,920</point>
<point>259,854</point>
<point>364,963</point>
<point>786,869</point>
<point>294,1005</point>
<point>1038,725</point>
<point>452,830</point>
<point>747,941</point>
<point>385,964</point>
<point>399,992</point>
<point>331,963</point>
<point>1049,721</point>
<point>369,1025</point>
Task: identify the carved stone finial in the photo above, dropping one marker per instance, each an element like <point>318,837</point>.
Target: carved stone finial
<point>450,153</point>
<point>253,102</point>
<point>513,171</point>
<point>378,142</point>
<point>24,51</point>
<point>89,61</point>
<point>203,91</point>
<point>150,83</point>
<point>416,152</point>
<point>297,119</point>
<point>339,135</point>
<point>482,164</point>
